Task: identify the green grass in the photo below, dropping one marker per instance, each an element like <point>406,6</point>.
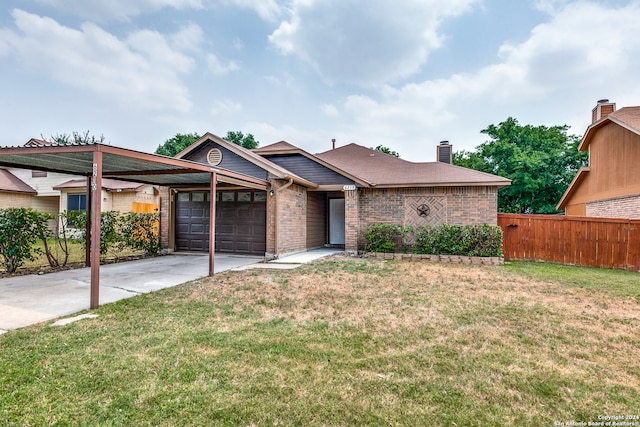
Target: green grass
<point>338,342</point>
<point>619,283</point>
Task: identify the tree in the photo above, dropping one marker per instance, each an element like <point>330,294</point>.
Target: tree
<point>176,144</point>
<point>387,150</point>
<point>76,138</point>
<point>541,162</point>
<point>247,141</point>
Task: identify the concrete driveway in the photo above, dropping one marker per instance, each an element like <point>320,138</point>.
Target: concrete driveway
<point>26,300</point>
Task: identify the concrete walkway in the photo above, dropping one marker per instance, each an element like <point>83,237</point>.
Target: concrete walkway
<point>27,300</point>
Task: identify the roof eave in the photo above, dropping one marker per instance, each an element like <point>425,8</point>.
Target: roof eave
<point>499,184</point>
<point>580,176</point>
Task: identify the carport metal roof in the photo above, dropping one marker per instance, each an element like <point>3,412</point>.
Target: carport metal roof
<point>98,161</point>
<point>120,163</point>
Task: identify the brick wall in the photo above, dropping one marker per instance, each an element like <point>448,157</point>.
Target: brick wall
<point>291,205</point>
<point>351,220</point>
<point>15,200</point>
<point>165,217</point>
<point>438,205</point>
<point>627,207</point>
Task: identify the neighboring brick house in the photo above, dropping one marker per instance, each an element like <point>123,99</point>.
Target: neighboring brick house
<point>609,186</point>
<point>323,199</point>
<point>14,193</point>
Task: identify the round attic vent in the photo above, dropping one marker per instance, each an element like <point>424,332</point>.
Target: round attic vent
<point>214,157</point>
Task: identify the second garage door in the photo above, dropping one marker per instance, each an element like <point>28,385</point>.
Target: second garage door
<point>240,221</point>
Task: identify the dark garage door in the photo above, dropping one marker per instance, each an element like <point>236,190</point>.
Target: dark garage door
<point>240,221</point>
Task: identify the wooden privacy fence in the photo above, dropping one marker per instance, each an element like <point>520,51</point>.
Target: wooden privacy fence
<point>589,242</point>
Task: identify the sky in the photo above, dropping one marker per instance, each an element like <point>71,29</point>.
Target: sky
<point>405,74</point>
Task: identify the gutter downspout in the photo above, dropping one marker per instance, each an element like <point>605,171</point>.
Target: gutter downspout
<point>276,220</point>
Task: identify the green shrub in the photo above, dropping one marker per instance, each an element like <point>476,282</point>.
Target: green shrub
<point>141,231</point>
<point>384,238</point>
<point>467,240</point>
<point>108,228</point>
<point>20,228</point>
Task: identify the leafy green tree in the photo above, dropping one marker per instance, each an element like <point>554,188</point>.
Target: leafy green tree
<point>76,138</point>
<point>20,229</point>
<point>541,162</point>
<point>381,148</point>
<point>247,141</point>
<point>176,144</point>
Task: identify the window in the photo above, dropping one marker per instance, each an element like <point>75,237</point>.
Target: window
<point>38,174</point>
<point>244,196</point>
<point>76,202</point>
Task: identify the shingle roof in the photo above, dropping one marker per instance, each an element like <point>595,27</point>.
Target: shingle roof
<point>629,116</point>
<point>107,184</point>
<point>11,183</point>
<point>277,146</point>
<point>382,169</point>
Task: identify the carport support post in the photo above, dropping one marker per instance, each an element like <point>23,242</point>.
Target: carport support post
<point>212,222</point>
<point>87,229</point>
<point>96,207</point>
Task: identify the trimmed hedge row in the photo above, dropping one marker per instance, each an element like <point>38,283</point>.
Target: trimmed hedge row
<point>480,240</point>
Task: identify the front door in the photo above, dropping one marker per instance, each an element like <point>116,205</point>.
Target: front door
<point>336,221</point>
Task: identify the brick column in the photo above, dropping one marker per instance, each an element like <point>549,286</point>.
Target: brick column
<point>351,221</point>
<point>165,217</point>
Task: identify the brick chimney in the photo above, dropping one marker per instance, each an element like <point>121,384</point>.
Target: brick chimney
<point>444,152</point>
<point>602,109</point>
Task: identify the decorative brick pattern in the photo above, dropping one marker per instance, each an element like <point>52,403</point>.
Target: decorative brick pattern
<point>627,207</point>
<point>437,208</point>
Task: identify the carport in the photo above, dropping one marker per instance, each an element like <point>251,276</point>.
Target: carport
<point>98,161</point>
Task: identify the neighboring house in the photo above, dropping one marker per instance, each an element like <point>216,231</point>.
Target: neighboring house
<point>40,194</point>
<point>56,192</point>
<point>609,186</point>
<point>316,200</point>
<point>14,193</point>
<point>122,196</point>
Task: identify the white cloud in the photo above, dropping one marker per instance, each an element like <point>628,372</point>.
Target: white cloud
<point>188,39</point>
<point>266,9</point>
<point>226,106</point>
<point>307,139</point>
<point>347,41</point>
<point>218,68</point>
<point>142,70</point>
<point>585,52</point>
<point>330,110</point>
<point>101,10</point>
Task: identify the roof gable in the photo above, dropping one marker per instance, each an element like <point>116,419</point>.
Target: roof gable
<point>305,164</point>
<point>245,154</point>
<point>12,184</point>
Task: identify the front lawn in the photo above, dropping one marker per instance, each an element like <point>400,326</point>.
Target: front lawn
<point>341,342</point>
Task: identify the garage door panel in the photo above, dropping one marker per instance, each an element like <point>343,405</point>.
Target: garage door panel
<point>240,226</point>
